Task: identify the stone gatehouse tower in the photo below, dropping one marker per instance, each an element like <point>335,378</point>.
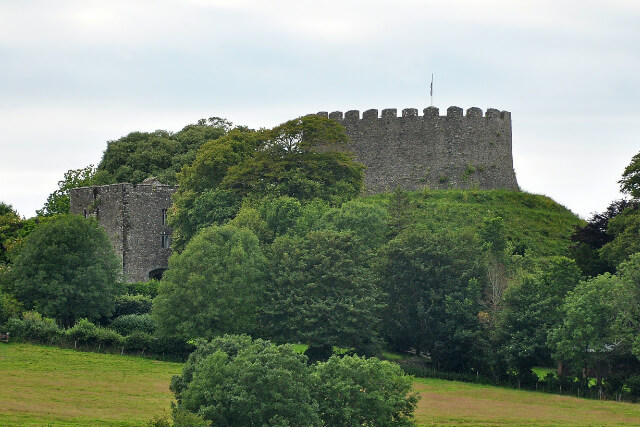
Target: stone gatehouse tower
<point>135,219</point>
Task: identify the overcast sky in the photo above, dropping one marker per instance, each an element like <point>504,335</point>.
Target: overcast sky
<point>76,74</point>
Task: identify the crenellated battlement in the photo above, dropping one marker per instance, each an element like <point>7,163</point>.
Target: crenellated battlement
<point>427,113</point>
<point>461,149</point>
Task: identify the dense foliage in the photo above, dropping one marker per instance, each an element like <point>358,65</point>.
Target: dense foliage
<point>234,380</point>
<point>67,270</point>
<point>213,287</point>
<point>161,154</point>
<point>303,158</point>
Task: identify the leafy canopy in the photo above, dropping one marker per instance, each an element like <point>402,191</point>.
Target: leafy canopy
<point>234,380</point>
<point>67,270</point>
<point>300,159</point>
<point>162,154</point>
<point>213,287</point>
<point>320,292</point>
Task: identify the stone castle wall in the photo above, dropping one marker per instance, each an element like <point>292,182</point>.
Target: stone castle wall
<point>471,150</point>
<point>133,219</point>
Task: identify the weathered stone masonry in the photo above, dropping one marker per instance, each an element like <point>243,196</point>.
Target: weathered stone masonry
<point>413,152</point>
<point>135,221</point>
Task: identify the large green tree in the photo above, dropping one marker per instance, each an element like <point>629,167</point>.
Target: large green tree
<point>630,181</point>
<point>532,306</point>
<point>320,292</point>
<point>234,381</point>
<point>213,287</point>
<point>432,278</point>
<point>588,338</point>
<point>67,270</point>
<point>10,225</point>
<point>162,154</point>
<point>200,201</point>
<point>303,158</point>
<point>624,232</point>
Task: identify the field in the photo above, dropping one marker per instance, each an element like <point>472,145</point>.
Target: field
<point>49,386</point>
<point>454,403</point>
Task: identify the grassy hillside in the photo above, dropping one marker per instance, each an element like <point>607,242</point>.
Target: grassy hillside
<point>51,386</point>
<point>536,221</point>
<point>454,403</point>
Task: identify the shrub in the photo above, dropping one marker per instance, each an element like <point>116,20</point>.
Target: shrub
<point>354,390</point>
<point>132,304</point>
<point>138,341</point>
<point>129,323</point>
<point>83,332</point>
<point>234,380</point>
<point>106,337</point>
<point>9,307</point>
<point>34,327</point>
<point>149,289</point>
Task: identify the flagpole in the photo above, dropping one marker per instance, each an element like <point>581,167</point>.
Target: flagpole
<point>431,91</point>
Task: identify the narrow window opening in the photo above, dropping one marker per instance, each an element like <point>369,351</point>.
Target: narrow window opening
<point>84,212</point>
<point>164,217</point>
<point>165,241</point>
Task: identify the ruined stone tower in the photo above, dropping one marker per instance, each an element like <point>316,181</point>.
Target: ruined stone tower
<point>438,152</point>
<point>135,219</point>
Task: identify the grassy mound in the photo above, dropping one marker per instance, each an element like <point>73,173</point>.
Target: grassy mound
<point>536,223</point>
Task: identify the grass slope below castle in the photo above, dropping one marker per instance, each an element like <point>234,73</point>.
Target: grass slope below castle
<point>536,222</point>
<point>50,386</point>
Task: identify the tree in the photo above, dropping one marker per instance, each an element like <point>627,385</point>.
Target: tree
<point>630,182</point>
<point>356,391</point>
<point>67,270</point>
<point>589,239</point>
<point>628,318</point>
<point>300,159</point>
<point>320,292</point>
<point>532,307</point>
<point>199,184</point>
<point>10,225</point>
<point>161,154</point>
<point>624,231</point>
<point>587,339</point>
<point>432,282</point>
<point>234,381</point>
<point>58,201</point>
<point>213,287</point>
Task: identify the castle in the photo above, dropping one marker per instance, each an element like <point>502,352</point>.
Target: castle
<point>471,150</point>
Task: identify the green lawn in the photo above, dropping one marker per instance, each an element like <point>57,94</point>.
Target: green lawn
<point>51,386</point>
